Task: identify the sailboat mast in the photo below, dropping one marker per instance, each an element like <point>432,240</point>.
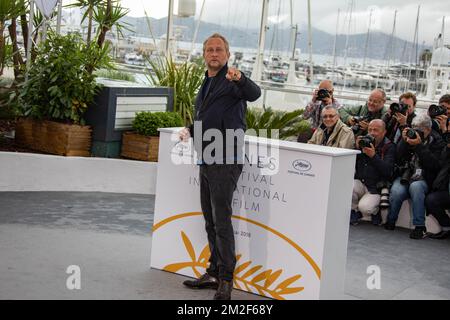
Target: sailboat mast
<point>346,42</point>
<point>169,27</point>
<point>311,71</point>
<point>335,40</point>
<point>196,30</point>
<point>257,69</point>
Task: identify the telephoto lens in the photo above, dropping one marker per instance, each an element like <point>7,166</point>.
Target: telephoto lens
<point>411,133</point>
<point>384,200</point>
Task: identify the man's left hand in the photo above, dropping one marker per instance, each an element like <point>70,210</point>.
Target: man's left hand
<point>442,120</point>
<point>401,118</point>
<point>370,152</point>
<point>233,74</point>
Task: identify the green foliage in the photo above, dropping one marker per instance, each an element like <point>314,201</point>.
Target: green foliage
<point>288,123</point>
<point>147,123</point>
<point>116,75</point>
<point>105,13</point>
<point>185,79</point>
<point>60,85</point>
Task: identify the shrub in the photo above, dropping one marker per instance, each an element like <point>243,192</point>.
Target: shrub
<point>147,123</point>
<point>60,84</point>
<point>289,123</point>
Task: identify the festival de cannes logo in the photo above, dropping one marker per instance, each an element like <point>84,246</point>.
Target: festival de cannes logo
<point>301,165</point>
<point>251,276</point>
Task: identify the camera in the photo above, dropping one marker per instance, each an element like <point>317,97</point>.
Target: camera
<point>406,175</point>
<point>399,108</point>
<point>411,133</point>
<point>436,110</point>
<point>366,141</point>
<point>357,119</point>
<point>323,94</point>
<point>383,189</point>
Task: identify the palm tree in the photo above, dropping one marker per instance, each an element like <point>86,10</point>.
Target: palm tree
<point>9,10</point>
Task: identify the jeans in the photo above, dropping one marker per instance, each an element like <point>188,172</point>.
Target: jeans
<point>417,191</point>
<point>217,185</point>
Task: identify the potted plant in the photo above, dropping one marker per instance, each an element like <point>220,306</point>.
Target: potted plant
<point>143,144</point>
<point>60,86</point>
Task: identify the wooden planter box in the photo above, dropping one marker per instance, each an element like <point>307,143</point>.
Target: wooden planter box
<point>54,137</point>
<point>138,147</point>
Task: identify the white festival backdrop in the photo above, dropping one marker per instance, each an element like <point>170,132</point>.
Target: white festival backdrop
<point>290,217</point>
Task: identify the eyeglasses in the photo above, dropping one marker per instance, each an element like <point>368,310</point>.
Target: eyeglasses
<point>329,116</point>
<point>378,101</point>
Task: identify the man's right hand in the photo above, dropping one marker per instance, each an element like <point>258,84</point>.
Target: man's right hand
<point>314,98</point>
<point>184,134</point>
<point>351,121</point>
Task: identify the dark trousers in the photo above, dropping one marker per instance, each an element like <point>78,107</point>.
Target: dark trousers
<point>436,203</point>
<point>217,184</point>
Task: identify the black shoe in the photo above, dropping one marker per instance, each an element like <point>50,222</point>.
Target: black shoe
<point>355,216</point>
<point>440,235</point>
<point>389,225</point>
<point>204,282</point>
<point>419,232</point>
<point>224,290</point>
<point>376,219</point>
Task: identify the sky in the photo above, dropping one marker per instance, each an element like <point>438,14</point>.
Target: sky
<point>324,13</point>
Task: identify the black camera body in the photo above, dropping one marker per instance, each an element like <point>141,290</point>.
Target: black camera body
<point>357,120</point>
<point>322,94</point>
<point>406,175</point>
<point>412,134</point>
<point>435,110</point>
<point>366,141</point>
<point>399,108</point>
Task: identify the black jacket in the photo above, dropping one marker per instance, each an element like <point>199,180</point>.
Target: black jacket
<point>223,106</point>
<point>392,125</point>
<point>429,155</point>
<point>441,183</point>
<point>379,168</point>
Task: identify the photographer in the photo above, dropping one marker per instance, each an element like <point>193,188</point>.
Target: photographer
<point>359,117</point>
<point>374,167</point>
<point>440,114</point>
<point>323,96</point>
<point>439,199</point>
<point>333,132</point>
<point>418,156</point>
<point>399,116</point>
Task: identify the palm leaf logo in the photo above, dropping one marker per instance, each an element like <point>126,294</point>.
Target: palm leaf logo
<point>246,276</point>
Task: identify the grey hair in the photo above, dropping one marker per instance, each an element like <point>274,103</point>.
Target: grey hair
<point>422,121</point>
<point>330,107</point>
<point>383,93</point>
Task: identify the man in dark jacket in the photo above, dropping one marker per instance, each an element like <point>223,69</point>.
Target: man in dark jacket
<point>438,200</point>
<point>220,109</point>
<point>418,155</point>
<point>373,166</point>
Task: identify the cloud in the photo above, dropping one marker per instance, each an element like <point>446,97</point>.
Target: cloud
<point>247,14</point>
